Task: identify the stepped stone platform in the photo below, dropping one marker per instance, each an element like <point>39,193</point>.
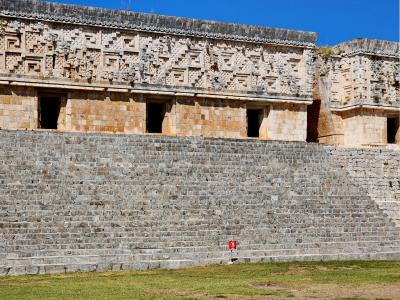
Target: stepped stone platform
<point>95,202</point>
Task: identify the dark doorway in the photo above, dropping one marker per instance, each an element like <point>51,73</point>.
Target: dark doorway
<point>254,118</point>
<point>312,121</point>
<point>49,112</point>
<point>392,129</point>
<point>155,117</point>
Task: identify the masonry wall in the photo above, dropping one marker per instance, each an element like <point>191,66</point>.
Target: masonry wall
<point>228,119</point>
<point>376,171</point>
<point>106,112</point>
<point>336,134</point>
<point>287,122</point>
<point>91,111</point>
<point>210,118</point>
<point>18,108</point>
<point>362,127</point>
<point>91,202</point>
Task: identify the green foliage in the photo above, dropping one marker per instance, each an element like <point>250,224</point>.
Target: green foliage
<point>326,52</point>
<point>3,25</point>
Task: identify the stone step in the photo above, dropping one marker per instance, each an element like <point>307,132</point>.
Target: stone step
<point>173,264</point>
<point>201,252</point>
<point>73,198</point>
<point>199,248</point>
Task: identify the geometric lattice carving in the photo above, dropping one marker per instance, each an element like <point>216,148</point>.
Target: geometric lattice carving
<point>33,43</point>
<point>357,76</point>
<point>14,63</point>
<point>33,66</point>
<point>76,52</point>
<point>13,42</point>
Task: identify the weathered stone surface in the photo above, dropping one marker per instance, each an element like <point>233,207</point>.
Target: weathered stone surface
<point>94,202</point>
<point>362,71</point>
<point>377,172</point>
<point>54,41</point>
<point>47,11</point>
<point>358,83</point>
<point>107,64</point>
<point>369,46</point>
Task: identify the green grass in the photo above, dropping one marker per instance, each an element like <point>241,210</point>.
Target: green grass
<point>347,280</point>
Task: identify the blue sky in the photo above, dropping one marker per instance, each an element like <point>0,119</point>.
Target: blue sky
<point>334,20</point>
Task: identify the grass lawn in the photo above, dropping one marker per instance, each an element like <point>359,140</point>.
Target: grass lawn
<point>310,280</point>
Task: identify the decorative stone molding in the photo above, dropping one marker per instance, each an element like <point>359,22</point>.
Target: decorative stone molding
<point>126,20</point>
<point>369,47</point>
<point>93,46</point>
<point>362,72</point>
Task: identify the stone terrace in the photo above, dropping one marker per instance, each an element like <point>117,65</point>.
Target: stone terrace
<point>80,202</point>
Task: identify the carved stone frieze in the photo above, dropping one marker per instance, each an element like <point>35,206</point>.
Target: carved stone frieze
<point>363,71</point>
<point>67,51</point>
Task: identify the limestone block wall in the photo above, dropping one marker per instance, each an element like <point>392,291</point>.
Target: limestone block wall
<point>91,202</point>
<point>335,134</point>
<point>18,108</point>
<point>360,128</point>
<point>363,127</point>
<point>92,111</point>
<point>287,122</point>
<point>228,119</point>
<point>105,112</point>
<point>210,118</point>
<point>339,132</point>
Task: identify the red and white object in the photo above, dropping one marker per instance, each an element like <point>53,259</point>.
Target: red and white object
<point>232,251</point>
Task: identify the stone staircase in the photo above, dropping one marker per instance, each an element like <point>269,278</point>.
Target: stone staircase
<point>377,172</point>
<point>97,202</point>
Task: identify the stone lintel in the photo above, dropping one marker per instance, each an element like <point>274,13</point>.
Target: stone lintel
<point>54,84</point>
<point>366,106</point>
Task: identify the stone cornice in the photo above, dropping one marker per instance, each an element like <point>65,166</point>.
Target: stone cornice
<point>127,20</point>
<point>394,108</point>
<point>369,47</point>
<point>369,53</point>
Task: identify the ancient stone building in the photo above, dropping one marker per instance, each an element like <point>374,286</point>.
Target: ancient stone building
<point>97,70</point>
<point>85,69</point>
<point>358,84</point>
<point>166,193</point>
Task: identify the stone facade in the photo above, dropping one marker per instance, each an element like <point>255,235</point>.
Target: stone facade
<point>359,83</point>
<point>18,108</point>
<point>107,69</point>
<point>103,67</point>
<point>175,179</point>
<point>216,118</point>
<point>109,112</point>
